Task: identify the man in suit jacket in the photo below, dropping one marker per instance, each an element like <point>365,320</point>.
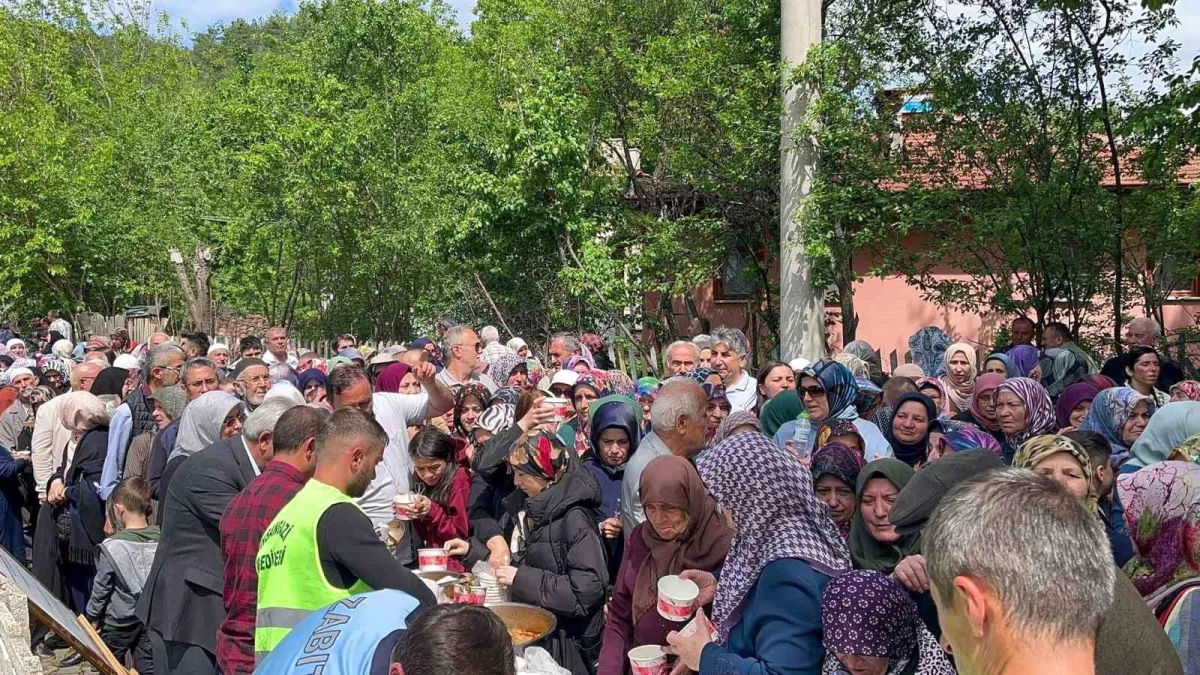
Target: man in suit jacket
<point>181,605</point>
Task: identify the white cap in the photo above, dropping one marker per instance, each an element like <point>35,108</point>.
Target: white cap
<point>800,364</point>
<point>128,362</point>
<point>217,346</point>
<point>382,358</point>
<point>286,391</point>
<point>14,373</point>
<point>564,376</point>
<point>14,341</point>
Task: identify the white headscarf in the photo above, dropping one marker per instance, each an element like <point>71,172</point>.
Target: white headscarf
<point>201,423</point>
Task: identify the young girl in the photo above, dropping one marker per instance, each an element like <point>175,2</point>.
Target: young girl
<point>439,513</point>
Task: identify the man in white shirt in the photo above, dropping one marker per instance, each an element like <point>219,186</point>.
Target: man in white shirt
<point>493,348</point>
<point>729,351</point>
<point>348,387</point>
<point>277,348</point>
<point>61,326</point>
<point>460,349</point>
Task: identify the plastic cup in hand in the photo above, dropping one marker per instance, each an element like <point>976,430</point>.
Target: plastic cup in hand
<point>432,559</point>
<point>403,504</point>
<point>648,660</point>
<point>561,407</point>
<point>677,598</point>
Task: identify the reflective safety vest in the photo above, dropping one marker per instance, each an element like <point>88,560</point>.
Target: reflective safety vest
<point>291,583</point>
<point>341,639</point>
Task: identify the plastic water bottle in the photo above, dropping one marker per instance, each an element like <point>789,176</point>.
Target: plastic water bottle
<point>800,435</point>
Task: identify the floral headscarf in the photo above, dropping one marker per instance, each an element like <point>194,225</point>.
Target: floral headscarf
<point>843,463</point>
<point>1039,412</point>
<point>958,396</point>
<point>1188,389</point>
<point>1035,450</point>
<point>866,613</point>
<point>838,427</point>
<point>732,421</point>
<point>1110,411</point>
<point>969,437</point>
<point>1162,510</point>
<point>503,366</point>
<point>460,400</point>
<point>857,366</point>
<point>778,516</point>
<point>594,380</point>
<point>928,348</point>
<point>620,383</point>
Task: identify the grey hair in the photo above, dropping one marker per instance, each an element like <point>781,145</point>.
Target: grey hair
<point>676,345</point>
<point>1155,328</point>
<point>677,398</point>
<point>453,336</point>
<point>489,334</point>
<point>158,357</point>
<point>264,418</point>
<point>732,338</point>
<point>569,341</point>
<point>198,362</point>
<point>280,371</point>
<point>1043,553</point>
<point>703,342</point>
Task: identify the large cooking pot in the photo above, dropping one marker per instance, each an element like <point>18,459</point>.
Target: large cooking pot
<point>534,623</point>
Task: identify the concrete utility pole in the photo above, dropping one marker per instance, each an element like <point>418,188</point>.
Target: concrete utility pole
<point>801,310</point>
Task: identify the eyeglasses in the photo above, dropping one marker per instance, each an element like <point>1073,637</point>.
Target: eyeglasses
<point>814,391</point>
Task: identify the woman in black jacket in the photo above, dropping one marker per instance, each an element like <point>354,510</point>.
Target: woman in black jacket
<point>558,557</point>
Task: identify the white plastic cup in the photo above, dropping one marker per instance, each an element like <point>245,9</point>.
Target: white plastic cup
<point>403,503</point>
<point>432,559</point>
<point>677,598</point>
<point>648,660</point>
<point>561,407</point>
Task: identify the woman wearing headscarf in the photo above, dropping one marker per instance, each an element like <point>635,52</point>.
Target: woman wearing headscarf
<point>872,626</point>
<point>716,410</point>
<point>784,408</point>
<point>863,350</point>
<point>1170,427</point>
<point>558,556</point>
<point>519,347</point>
<point>928,349</point>
<point>1100,382</point>
<point>1027,360</point>
<point>509,370</point>
<point>12,466</point>
<point>829,391</point>
<point>874,543</point>
<point>1163,513</point>
<point>736,422</point>
<point>73,490</point>
<point>936,391</point>
<point>855,365</point>
<point>616,430</point>
<point>1071,409</point>
<point>470,402</point>
<point>1061,368</point>
<point>1062,460</point>
<point>684,530</point>
<point>982,410</point>
<point>166,405</point>
<point>962,369</point>
<point>1187,390</point>
<point>912,371</point>
<point>1001,365</point>
<point>835,469</point>
<point>1023,410</point>
<point>210,417</point>
<point>767,607</point>
<point>966,437</point>
<point>589,387</point>
<point>109,386</point>
<point>1120,415</point>
<point>907,431</point>
<point>311,384</point>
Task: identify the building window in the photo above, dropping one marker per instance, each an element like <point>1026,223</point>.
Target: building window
<point>1176,278</point>
<point>735,282</point>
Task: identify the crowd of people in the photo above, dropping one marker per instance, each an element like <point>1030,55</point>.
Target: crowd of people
<point>253,509</point>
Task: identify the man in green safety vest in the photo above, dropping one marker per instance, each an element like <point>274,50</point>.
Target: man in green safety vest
<point>321,547</point>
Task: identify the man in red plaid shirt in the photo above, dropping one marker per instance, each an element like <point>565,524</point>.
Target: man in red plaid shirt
<point>243,524</point>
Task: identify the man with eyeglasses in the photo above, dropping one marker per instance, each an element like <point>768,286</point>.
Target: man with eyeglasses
<point>253,378</point>
<point>460,349</point>
<point>135,416</point>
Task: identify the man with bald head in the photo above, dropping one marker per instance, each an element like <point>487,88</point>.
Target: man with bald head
<point>50,436</point>
<point>678,429</point>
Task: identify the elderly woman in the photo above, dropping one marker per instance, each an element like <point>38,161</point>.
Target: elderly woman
<point>737,422</point>
<point>874,543</point>
<point>510,370</point>
<point>1162,510</point>
<point>982,410</point>
<point>871,626</point>
<point>716,410</point>
<point>616,430</point>
<point>828,391</point>
<point>684,530</point>
<point>1062,460</point>
<point>1071,408</point>
<point>1143,366</point>
<point>1000,364</point>
<point>908,430</point>
<point>843,432</point>
<point>73,490</point>
<point>961,372</point>
<point>936,391</point>
<point>1120,415</point>
<point>835,469</point>
<point>767,608</point>
<point>1188,390</point>
<point>961,438</point>
<point>212,416</point>
<point>1023,410</point>
<point>558,561</point>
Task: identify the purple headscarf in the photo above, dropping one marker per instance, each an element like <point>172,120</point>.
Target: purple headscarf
<point>969,437</point>
<point>1025,357</point>
<point>1039,412</point>
<point>865,613</point>
<point>778,516</point>
<point>1071,397</point>
<point>389,380</point>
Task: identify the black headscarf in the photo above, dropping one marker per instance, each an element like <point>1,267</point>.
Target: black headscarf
<point>110,381</point>
<point>910,454</point>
